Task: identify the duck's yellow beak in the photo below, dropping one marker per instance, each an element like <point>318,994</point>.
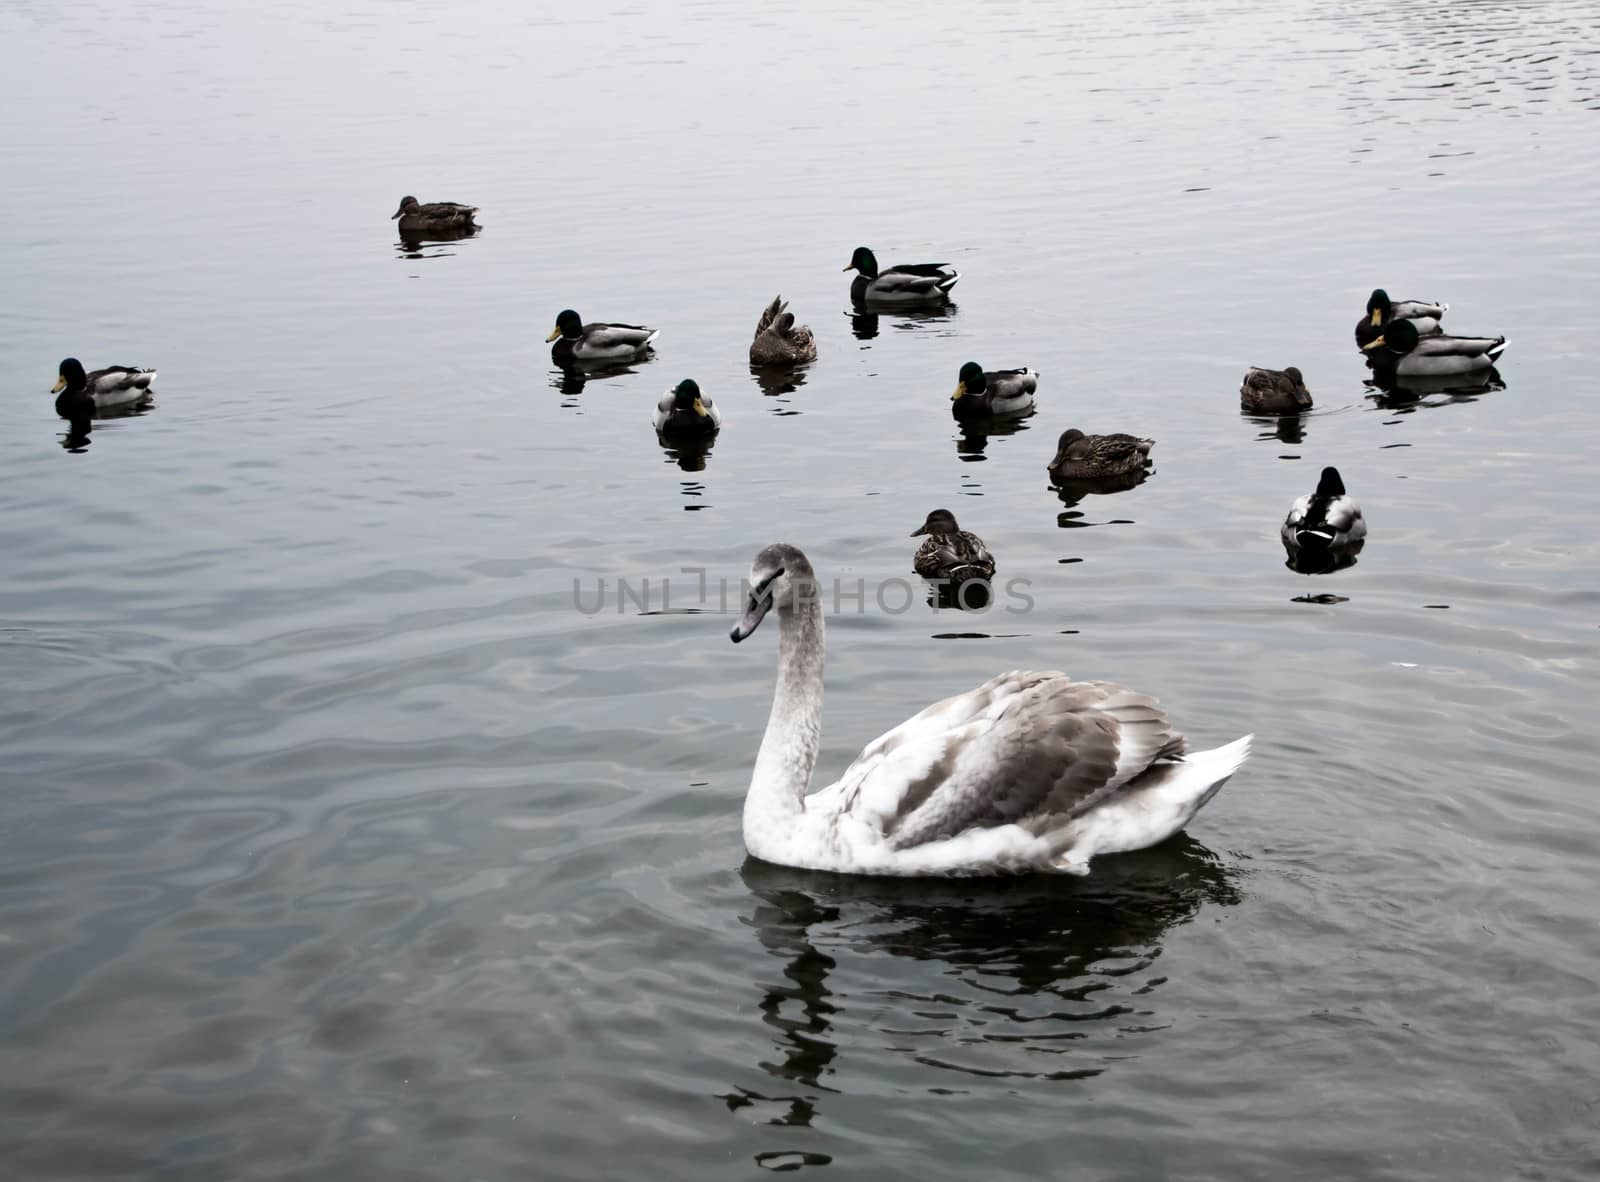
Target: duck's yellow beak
<point>700,408</point>
<point>961,388</point>
<point>1371,345</point>
<point>1377,318</point>
<point>554,333</point>
<point>850,267</point>
<point>61,384</point>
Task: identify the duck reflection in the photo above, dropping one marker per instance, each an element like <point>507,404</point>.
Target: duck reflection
<point>1085,948</point>
<point>778,380</point>
<point>1401,393</point>
<point>1289,428</point>
<point>76,440</point>
<point>571,379</point>
<point>690,454</point>
<point>413,244</point>
<point>1321,560</point>
<point>865,322</point>
<point>1073,491</point>
<point>974,438</point>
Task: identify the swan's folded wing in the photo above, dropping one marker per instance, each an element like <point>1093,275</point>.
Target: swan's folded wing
<point>1024,748</point>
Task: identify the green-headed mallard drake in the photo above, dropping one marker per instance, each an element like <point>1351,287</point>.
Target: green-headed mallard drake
<point>80,394</point>
<point>1095,457</point>
<point>778,340</point>
<point>1323,520</point>
<point>1381,311</point>
<point>950,552</point>
<point>1403,352</point>
<point>997,394</point>
<point>417,218</point>
<point>684,413</point>
<point>903,283</point>
<point>1274,391</point>
<point>576,341</point>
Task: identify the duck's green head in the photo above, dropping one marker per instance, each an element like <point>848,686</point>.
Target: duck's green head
<point>569,324</point>
<point>940,521</point>
<point>686,396</point>
<point>1330,485</point>
<point>1378,306</point>
<point>864,261</point>
<point>70,376</point>
<point>970,381</point>
<point>406,203</point>
<point>1399,337</point>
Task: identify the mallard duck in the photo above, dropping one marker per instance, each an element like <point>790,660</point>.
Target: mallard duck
<point>416,218</point>
<point>1381,310</point>
<point>903,283</point>
<point>1027,772</point>
<point>1323,520</point>
<point>684,413</point>
<point>1095,457</point>
<point>950,553</point>
<point>596,342</point>
<point>997,394</point>
<point>79,394</point>
<point>1274,391</point>
<point>778,340</point>
<point>1402,352</point>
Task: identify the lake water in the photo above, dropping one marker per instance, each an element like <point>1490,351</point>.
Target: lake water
<point>337,842</point>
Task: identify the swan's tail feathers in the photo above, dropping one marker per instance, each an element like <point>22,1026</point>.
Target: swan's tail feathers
<point>1217,764</point>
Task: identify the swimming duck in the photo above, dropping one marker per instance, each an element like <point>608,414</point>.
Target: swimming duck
<point>1274,391</point>
<point>1326,519</point>
<point>684,413</point>
<point>417,218</point>
<point>1093,457</point>
<point>903,283</point>
<point>778,340</point>
<point>79,394</point>
<point>597,342</point>
<point>998,394</point>
<point>1030,771</point>
<point>950,553</point>
<point>1381,310</point>
<point>1402,352</point>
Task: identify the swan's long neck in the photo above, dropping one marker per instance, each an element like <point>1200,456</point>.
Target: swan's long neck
<point>794,730</point>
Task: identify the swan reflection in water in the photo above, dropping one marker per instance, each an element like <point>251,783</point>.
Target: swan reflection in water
<point>1033,977</point>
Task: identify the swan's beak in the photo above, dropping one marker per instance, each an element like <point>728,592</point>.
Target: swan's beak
<point>1372,344</point>
<point>554,333</point>
<point>61,384</point>
<point>754,611</point>
<point>1377,318</point>
<point>961,388</point>
<point>699,408</point>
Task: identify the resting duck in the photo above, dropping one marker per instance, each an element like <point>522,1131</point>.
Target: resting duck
<point>1274,391</point>
<point>1323,520</point>
<point>416,218</point>
<point>950,553</point>
<point>80,394</point>
<point>1095,457</point>
<point>1382,311</point>
<point>903,283</point>
<point>684,413</point>
<point>998,394</point>
<point>1402,352</point>
<point>576,341</point>
<point>779,341</point>
<point>1027,772</point>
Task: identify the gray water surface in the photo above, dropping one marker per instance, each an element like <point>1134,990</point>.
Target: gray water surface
<point>336,842</point>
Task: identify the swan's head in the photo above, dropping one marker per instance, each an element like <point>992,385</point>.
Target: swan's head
<point>1378,306</point>
<point>970,381</point>
<point>569,324</point>
<point>1399,337</point>
<point>864,261</point>
<point>1330,485</point>
<point>406,204</point>
<point>940,521</point>
<point>70,376</point>
<point>780,577</point>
